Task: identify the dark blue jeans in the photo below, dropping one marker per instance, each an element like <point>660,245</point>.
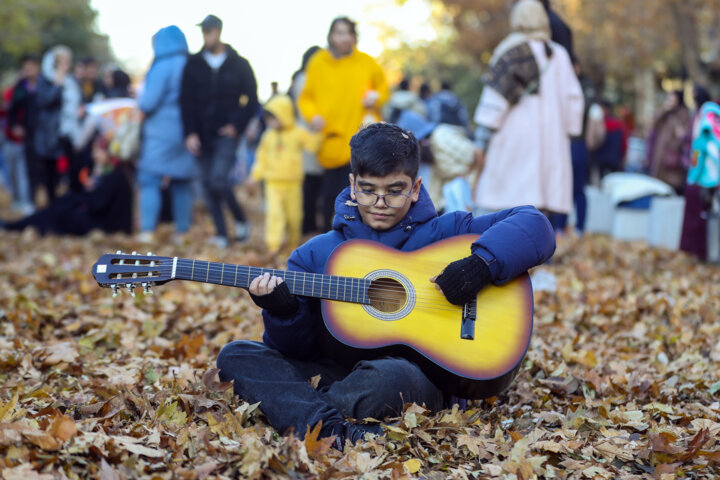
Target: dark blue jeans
<point>373,388</point>
<point>218,160</point>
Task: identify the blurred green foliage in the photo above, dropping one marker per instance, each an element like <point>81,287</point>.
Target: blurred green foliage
<point>32,26</point>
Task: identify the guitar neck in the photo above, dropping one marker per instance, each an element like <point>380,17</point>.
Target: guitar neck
<point>328,287</point>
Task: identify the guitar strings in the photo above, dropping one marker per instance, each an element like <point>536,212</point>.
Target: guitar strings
<point>420,302</point>
<point>376,289</point>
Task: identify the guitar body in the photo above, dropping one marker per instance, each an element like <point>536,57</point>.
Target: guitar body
<point>408,317</point>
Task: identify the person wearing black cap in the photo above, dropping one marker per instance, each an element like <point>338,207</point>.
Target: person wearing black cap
<point>218,97</point>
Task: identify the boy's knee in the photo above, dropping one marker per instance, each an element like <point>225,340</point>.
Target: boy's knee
<point>233,351</point>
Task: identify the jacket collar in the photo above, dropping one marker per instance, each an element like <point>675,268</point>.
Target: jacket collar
<point>348,222</point>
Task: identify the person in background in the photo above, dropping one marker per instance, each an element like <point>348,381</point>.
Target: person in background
<point>18,149</point>
<point>403,99</point>
<point>313,172</point>
<point>530,105</point>
<point>446,148</point>
<point>425,94</point>
<point>165,162</point>
<point>606,141</point>
<point>91,85</point>
<point>279,164</point>
<point>665,143</point>
<point>344,89</point>
<point>560,33</point>
<point>693,238</point>
<point>105,203</point>
<point>217,99</point>
<point>58,102</point>
<point>445,107</point>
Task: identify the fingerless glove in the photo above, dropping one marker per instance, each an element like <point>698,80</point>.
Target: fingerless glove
<point>463,279</point>
<point>280,302</point>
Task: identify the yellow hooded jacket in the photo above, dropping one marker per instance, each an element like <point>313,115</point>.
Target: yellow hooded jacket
<point>279,154</point>
<point>334,89</point>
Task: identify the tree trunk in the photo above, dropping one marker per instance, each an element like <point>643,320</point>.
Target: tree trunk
<point>683,15</point>
<point>645,91</point>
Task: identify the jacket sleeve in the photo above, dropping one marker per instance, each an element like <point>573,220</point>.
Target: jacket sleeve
<point>156,85</point>
<point>187,103</point>
<point>297,335</point>
<point>511,241</point>
<point>48,95</point>
<point>261,158</point>
<point>307,101</point>
<point>310,141</point>
<point>248,89</point>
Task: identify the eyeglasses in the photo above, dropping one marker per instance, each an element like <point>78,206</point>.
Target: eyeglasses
<point>392,200</point>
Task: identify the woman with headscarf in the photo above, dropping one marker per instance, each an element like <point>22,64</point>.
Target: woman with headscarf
<point>165,162</point>
<point>666,141</point>
<point>531,104</point>
<point>58,103</point>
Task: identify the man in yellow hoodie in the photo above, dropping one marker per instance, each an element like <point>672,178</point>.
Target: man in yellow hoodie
<point>278,163</point>
<point>345,88</point>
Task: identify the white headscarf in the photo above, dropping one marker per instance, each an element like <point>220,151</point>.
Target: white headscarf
<point>71,95</point>
<point>528,21</point>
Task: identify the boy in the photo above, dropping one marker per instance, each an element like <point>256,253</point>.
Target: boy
<point>385,202</point>
<point>279,163</point>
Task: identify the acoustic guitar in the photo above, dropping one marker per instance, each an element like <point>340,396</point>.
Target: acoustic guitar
<point>375,297</point>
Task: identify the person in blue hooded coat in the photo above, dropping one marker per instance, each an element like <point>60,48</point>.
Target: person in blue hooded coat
<point>385,202</point>
<point>164,160</point>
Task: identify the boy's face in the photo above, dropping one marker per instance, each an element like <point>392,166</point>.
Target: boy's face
<point>381,216</point>
<point>272,122</point>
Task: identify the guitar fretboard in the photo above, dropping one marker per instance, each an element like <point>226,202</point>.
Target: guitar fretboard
<point>329,287</point>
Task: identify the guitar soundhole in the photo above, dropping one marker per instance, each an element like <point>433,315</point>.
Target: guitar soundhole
<point>387,295</point>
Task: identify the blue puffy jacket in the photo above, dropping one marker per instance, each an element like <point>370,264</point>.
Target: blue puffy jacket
<point>163,151</point>
<point>512,242</point>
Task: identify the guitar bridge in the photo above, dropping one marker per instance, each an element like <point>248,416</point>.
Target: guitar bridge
<point>467,328</point>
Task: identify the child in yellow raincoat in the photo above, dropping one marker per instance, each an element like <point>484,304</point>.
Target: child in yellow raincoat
<point>278,163</point>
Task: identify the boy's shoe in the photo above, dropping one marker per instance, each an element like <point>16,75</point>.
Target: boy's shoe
<point>218,241</point>
<point>353,432</point>
<point>242,232</point>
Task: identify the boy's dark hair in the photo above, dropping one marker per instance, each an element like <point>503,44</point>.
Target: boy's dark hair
<point>381,149</point>
<point>352,25</point>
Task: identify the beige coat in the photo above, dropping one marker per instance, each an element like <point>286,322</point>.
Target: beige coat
<point>528,158</point>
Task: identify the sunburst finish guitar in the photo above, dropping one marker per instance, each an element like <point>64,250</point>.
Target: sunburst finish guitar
<point>378,298</point>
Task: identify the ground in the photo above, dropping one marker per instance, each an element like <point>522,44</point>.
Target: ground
<point>620,381</point>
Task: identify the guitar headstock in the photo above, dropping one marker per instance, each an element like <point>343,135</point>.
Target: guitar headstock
<point>130,270</point>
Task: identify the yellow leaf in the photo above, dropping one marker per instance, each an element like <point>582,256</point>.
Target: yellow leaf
<point>7,409</point>
<point>63,427</point>
<point>412,465</point>
<point>316,447</point>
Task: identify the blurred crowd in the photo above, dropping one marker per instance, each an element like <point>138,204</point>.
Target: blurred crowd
<point>84,147</point>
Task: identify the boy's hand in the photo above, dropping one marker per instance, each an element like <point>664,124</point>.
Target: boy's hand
<point>251,187</point>
<point>461,280</point>
<point>273,294</point>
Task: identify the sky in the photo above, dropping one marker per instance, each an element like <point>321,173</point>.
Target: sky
<point>271,34</point>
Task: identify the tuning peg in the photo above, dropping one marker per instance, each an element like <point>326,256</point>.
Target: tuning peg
<point>149,254</point>
<point>115,290</point>
<point>134,252</point>
<point>146,289</point>
<point>130,290</point>
<point>119,252</point>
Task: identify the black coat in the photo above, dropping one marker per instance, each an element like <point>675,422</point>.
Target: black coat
<point>561,33</point>
<point>211,99</point>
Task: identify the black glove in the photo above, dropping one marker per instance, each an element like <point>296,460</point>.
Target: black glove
<point>280,302</point>
<point>463,279</point>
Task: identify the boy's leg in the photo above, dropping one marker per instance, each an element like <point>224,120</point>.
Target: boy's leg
<point>262,374</point>
<point>380,388</point>
<point>275,216</point>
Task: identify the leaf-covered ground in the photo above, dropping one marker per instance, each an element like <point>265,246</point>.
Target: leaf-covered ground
<point>621,380</point>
